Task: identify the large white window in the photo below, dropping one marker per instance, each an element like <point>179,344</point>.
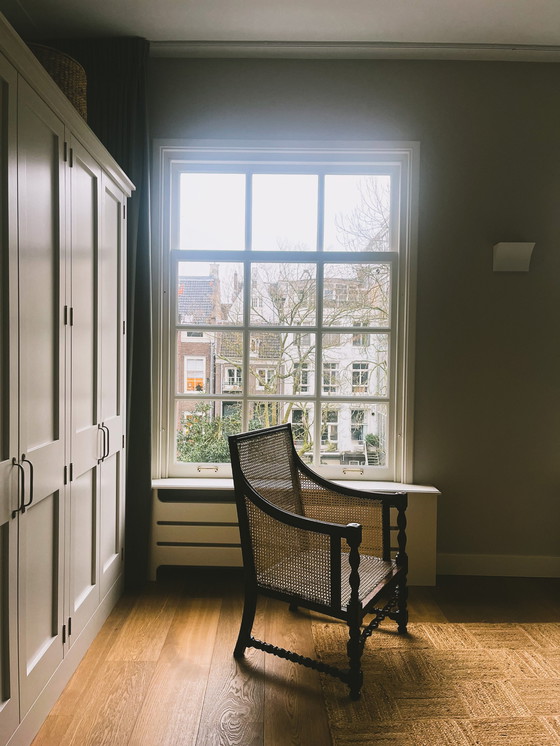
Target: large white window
<point>270,259</point>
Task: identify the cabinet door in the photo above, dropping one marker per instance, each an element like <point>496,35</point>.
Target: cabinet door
<point>85,447</point>
<point>9,708</point>
<point>111,273</point>
<point>41,373</point>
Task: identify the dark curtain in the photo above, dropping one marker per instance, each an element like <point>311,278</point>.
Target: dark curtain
<point>116,72</point>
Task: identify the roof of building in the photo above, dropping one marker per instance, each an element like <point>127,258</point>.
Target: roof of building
<point>195,300</point>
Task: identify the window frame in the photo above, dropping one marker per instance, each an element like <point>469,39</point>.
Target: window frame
<point>401,158</point>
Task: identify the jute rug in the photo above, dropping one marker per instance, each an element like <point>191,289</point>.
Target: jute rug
<point>447,685</point>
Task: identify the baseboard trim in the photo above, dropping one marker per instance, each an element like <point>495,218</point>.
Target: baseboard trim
<point>506,565</point>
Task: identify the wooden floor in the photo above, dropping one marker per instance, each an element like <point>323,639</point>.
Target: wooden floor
<point>161,670</point>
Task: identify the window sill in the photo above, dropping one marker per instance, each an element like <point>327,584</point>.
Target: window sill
<point>216,483</point>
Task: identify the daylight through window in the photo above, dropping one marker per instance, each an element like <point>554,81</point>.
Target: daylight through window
<point>270,268</point>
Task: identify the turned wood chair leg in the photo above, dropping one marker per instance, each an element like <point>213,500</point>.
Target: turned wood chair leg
<point>354,649</point>
<point>402,616</point>
<point>249,608</point>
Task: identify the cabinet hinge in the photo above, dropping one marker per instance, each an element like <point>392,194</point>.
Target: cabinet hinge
<point>65,475</point>
<point>69,626</point>
<point>63,634</point>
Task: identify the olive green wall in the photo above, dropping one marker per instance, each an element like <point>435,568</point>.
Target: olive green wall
<point>487,396</point>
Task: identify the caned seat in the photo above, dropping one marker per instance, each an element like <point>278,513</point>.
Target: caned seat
<point>316,545</point>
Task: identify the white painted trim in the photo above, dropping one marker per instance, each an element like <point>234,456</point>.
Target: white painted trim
<point>217,483</point>
<point>506,565</point>
<point>356,50</point>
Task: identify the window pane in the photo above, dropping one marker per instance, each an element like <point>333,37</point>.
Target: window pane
<point>300,414</point>
<point>356,371</point>
<point>209,363</point>
<point>357,213</point>
<point>280,364</point>
<point>354,434</point>
<point>209,293</point>
<point>357,294</point>
<point>212,211</point>
<point>202,428</point>
<point>283,294</point>
<point>284,212</point>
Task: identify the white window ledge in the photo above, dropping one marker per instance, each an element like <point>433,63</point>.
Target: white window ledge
<point>216,483</point>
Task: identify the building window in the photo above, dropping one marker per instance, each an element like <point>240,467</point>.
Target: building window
<point>359,339</point>
<point>271,259</point>
<point>298,427</point>
<point>330,378</point>
<point>301,378</point>
<point>357,424</point>
<point>194,373</point>
<point>302,340</point>
<point>329,431</point>
<point>232,378</point>
<point>360,375</point>
<point>264,378</point>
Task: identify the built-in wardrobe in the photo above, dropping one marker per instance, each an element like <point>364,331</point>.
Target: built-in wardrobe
<point>62,397</point>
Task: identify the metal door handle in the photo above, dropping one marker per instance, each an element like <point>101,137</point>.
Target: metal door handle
<point>108,440</point>
<point>106,447</point>
<point>22,474</point>
<point>102,430</point>
<point>31,494</point>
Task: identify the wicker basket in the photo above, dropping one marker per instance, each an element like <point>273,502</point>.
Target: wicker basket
<point>68,74</point>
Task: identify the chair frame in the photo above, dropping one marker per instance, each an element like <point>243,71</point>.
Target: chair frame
<point>393,587</point>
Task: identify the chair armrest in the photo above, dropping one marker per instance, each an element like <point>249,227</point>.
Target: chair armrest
<point>352,532</point>
<point>397,499</point>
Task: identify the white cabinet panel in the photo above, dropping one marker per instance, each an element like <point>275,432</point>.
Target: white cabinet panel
<point>41,292</point>
<point>111,311</point>
<point>61,373</point>
<point>111,271</point>
<point>111,521</point>
<point>84,452</point>
<point>41,259</point>
<point>83,585</point>
<point>40,596</point>
<point>85,185</point>
<point>9,496</point>
<point>9,695</point>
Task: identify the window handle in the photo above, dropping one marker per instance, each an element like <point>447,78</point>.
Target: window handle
<point>347,471</point>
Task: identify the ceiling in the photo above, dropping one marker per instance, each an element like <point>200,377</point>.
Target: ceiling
<point>464,29</point>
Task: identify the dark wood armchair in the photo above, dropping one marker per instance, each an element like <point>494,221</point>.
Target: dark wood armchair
<point>317,545</point>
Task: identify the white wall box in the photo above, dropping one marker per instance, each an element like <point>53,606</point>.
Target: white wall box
<point>194,522</point>
<point>62,348</point>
